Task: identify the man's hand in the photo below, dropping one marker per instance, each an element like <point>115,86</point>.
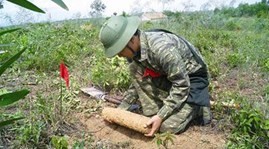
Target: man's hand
<point>155,123</point>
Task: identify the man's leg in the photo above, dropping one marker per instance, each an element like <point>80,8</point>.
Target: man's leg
<point>205,114</point>
<point>177,122</point>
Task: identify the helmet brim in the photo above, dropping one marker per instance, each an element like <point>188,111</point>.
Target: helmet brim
<point>131,27</point>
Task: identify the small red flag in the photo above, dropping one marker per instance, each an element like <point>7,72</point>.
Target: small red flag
<point>64,74</point>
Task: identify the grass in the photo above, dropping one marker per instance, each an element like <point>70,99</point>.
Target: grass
<point>235,50</point>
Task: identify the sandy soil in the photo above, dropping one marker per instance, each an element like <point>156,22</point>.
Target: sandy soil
<point>108,135</point>
<point>194,137</point>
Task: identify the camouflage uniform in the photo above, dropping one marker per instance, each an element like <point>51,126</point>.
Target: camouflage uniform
<point>180,93</point>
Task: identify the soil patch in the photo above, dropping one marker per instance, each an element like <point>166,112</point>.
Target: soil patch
<point>193,137</point>
<point>115,136</point>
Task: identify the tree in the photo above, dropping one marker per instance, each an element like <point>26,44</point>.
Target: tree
<point>188,5</point>
<point>1,5</point>
<point>232,3</point>
<point>97,7</point>
<point>165,2</point>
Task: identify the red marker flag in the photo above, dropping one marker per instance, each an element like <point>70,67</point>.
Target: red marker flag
<point>64,74</point>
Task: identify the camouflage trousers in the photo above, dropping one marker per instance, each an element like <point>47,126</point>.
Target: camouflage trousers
<point>181,117</point>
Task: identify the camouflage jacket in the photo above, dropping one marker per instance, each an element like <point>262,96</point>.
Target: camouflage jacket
<point>169,55</point>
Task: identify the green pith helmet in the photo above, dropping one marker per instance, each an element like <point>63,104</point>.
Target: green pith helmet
<point>116,33</point>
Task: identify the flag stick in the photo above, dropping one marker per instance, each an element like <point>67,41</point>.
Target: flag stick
<point>63,74</point>
<point>61,98</point>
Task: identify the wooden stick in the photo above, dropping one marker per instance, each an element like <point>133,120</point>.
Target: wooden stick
<point>127,119</point>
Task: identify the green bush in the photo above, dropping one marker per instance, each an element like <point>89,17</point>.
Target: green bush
<point>251,129</point>
<point>30,133</point>
<point>259,9</point>
<point>266,64</point>
<point>59,142</point>
<point>235,59</point>
<point>232,25</point>
<point>109,73</point>
<point>164,139</point>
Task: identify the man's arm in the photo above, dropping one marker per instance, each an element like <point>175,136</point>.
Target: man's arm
<point>171,62</point>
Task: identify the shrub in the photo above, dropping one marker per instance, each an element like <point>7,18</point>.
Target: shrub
<point>109,73</point>
<point>232,25</point>
<point>266,64</point>
<point>235,59</point>
<point>251,129</point>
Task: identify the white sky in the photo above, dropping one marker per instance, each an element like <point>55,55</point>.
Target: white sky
<point>81,8</point>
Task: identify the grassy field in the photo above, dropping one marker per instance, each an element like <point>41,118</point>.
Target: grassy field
<point>236,50</point>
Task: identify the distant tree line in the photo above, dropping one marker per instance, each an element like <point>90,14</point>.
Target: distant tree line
<point>260,9</point>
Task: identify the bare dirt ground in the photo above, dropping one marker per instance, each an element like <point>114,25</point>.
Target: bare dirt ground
<point>107,135</point>
<point>104,135</point>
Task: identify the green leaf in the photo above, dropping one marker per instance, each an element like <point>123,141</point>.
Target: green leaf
<point>159,142</point>
<point>61,4</point>
<point>10,98</point>
<point>3,91</point>
<point>8,31</point>
<point>26,4</point>
<point>266,125</point>
<point>7,122</point>
<point>10,61</point>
